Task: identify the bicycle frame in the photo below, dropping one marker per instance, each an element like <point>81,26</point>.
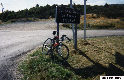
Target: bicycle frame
<point>57,45</point>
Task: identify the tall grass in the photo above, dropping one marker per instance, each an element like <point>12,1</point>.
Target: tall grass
<point>119,25</point>
<point>95,22</point>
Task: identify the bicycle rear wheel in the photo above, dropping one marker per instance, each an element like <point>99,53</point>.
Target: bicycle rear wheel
<point>63,51</point>
<point>47,46</point>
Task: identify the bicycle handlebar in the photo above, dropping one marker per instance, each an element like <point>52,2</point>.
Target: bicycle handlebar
<point>68,39</point>
<point>64,36</point>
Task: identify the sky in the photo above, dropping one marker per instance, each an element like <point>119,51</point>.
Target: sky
<point>16,5</point>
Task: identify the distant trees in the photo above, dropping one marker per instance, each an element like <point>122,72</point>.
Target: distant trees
<point>113,11</point>
<point>44,12</point>
<point>34,12</point>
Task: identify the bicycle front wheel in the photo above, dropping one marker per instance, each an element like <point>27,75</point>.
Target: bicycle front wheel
<point>47,46</point>
<point>63,51</point>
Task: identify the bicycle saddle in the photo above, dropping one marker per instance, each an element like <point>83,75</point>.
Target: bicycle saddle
<point>54,32</point>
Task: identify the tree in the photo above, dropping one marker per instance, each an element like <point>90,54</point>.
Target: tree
<point>106,5</point>
<point>37,5</point>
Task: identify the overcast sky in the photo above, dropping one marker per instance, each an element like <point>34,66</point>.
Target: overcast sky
<point>23,4</point>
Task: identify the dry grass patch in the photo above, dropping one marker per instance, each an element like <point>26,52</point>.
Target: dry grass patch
<point>97,57</point>
<point>95,22</point>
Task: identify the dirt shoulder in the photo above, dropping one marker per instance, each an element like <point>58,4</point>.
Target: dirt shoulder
<point>9,68</point>
<point>29,26</point>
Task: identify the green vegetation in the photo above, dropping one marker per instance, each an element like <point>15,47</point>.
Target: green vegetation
<point>98,17</point>
<point>94,57</point>
<point>45,12</point>
<point>41,12</point>
<point>40,67</point>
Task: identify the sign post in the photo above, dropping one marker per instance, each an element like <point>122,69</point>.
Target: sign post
<point>75,40</point>
<point>72,24</point>
<point>58,31</point>
<point>57,25</point>
<point>74,30</point>
<point>85,19</point>
<point>71,4</point>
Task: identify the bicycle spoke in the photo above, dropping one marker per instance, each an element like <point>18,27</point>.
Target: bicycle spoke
<point>46,46</point>
<point>63,51</point>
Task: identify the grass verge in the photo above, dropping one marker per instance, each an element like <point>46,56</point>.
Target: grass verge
<point>41,67</point>
<point>94,57</point>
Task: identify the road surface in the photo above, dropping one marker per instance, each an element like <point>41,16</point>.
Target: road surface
<point>14,43</point>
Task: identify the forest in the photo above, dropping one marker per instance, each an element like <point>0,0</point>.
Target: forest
<point>45,12</point>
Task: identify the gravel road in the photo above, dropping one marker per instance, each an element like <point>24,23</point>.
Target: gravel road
<point>18,38</point>
<point>29,26</point>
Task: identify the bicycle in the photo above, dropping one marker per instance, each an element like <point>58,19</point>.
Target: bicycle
<point>56,44</point>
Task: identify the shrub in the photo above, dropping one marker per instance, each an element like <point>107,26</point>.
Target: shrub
<point>103,26</point>
<point>122,19</point>
<point>66,25</point>
<point>120,25</point>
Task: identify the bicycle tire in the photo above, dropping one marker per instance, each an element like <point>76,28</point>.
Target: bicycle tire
<point>63,51</point>
<point>46,46</point>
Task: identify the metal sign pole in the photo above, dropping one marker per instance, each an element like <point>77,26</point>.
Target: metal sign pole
<point>72,24</point>
<point>74,39</point>
<point>58,31</point>
<point>71,4</point>
<point>57,25</point>
<point>85,19</point>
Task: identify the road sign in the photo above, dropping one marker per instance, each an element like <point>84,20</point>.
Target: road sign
<point>67,15</point>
